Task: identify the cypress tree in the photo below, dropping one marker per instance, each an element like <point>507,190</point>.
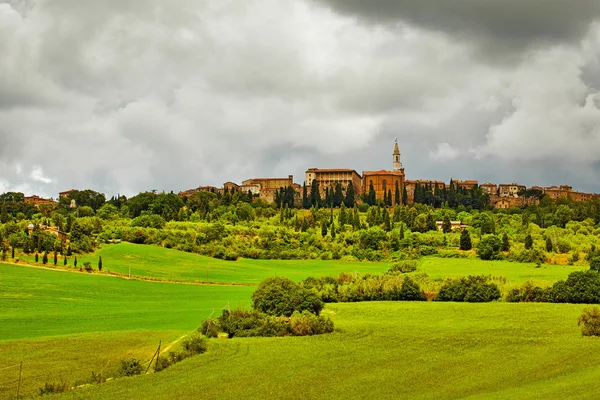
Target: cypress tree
<point>350,196</point>
<point>404,195</point>
<point>36,257</point>
<point>446,224</point>
<point>45,258</point>
<point>356,219</point>
<point>342,217</point>
<point>528,241</point>
<point>305,199</point>
<point>401,231</point>
<point>389,198</point>
<point>75,262</point>
<point>465,240</point>
<point>431,225</point>
<point>372,198</point>
<point>338,196</point>
<point>333,230</point>
<point>13,252</point>
<point>100,263</point>
<point>505,242</point>
<point>323,228</point>
<point>55,258</point>
<point>397,194</point>
<point>385,200</point>
<point>387,226</point>
<point>549,246</point>
<point>65,261</point>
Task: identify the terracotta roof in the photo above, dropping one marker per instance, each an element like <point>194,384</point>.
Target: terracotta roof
<point>331,170</point>
<point>381,172</point>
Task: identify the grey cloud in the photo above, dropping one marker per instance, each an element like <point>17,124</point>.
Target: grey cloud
<point>495,26</point>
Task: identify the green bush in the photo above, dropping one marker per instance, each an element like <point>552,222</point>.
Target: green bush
<point>280,296</point>
<point>473,289</point>
<point>52,388</point>
<point>130,367</point>
<point>528,293</point>
<point>581,287</point>
<point>307,324</point>
<point>590,321</point>
<point>411,291</point>
<point>209,328</point>
<point>595,264</point>
<point>88,266</point>
<point>195,344</point>
<point>489,247</point>
<point>403,267</point>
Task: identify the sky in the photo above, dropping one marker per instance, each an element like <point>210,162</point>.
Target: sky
<point>128,96</point>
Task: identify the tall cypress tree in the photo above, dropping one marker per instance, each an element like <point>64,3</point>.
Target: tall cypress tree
<point>315,196</point>
<point>389,198</point>
<point>465,240</point>
<point>404,195</point>
<point>305,200</point>
<point>372,198</point>
<point>349,196</point>
<point>338,196</point>
<point>397,194</point>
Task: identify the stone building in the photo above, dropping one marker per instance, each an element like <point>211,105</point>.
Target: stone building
<point>268,186</point>
<point>469,184</point>
<point>329,178</point>
<point>489,188</point>
<point>386,181</point>
<point>510,189</point>
<point>36,200</point>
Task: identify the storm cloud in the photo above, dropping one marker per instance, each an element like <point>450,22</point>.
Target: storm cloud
<point>140,95</point>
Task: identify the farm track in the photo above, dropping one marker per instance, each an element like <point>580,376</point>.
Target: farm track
<point>134,277</point>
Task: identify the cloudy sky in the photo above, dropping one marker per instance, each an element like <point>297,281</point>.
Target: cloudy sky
<point>125,96</point>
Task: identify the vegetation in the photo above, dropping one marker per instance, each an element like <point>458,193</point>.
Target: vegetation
<point>590,321</point>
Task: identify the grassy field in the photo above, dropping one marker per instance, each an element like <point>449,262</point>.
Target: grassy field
<point>515,273</point>
<point>63,325</point>
<point>169,264</point>
<point>393,350</point>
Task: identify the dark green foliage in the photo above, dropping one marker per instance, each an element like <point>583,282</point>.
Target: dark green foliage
<point>580,287</point>
<point>549,246</point>
<point>528,293</point>
<point>403,267</point>
<point>528,241</point>
<point>149,221</point>
<point>36,257</point>
<point>243,323</point>
<point>64,260</point>
<point>45,258</point>
<point>194,344</point>
<point>411,291</point>
<point>489,247</point>
<point>590,319</point>
<point>323,228</point>
<point>55,258</point>
<point>130,367</point>
<point>505,242</point>
<point>75,262</point>
<point>52,388</point>
<point>13,253</point>
<point>465,240</point>
<point>88,266</point>
<point>446,224</point>
<point>280,296</point>
<point>595,264</point>
<point>474,289</point>
<point>100,263</point>
<point>209,328</point>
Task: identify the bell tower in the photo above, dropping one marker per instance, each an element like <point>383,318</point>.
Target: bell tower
<point>397,163</point>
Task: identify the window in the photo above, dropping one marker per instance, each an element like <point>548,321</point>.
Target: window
<point>384,185</point>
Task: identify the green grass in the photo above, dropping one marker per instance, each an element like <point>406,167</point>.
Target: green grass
<point>515,273</point>
<point>169,264</point>
<point>393,350</point>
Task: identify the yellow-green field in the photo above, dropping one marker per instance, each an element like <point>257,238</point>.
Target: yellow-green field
<point>64,325</point>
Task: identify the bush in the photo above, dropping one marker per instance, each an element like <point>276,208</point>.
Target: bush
<point>281,297</point>
<point>51,388</point>
<point>403,267</point>
<point>473,289</point>
<point>489,247</point>
<point>411,291</point>
<point>130,367</point>
<point>195,344</point>
<point>528,293</point>
<point>209,328</point>
<point>595,264</point>
<point>307,324</point>
<point>88,266</point>
<point>590,319</point>
<point>581,287</point>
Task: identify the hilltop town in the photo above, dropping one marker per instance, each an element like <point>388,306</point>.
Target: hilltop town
<point>387,186</point>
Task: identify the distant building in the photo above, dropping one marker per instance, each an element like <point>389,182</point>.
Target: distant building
<point>489,188</point>
<point>65,193</point>
<point>329,178</point>
<point>469,184</point>
<point>268,186</point>
<point>510,189</point>
<point>36,200</point>
<point>456,225</point>
<point>385,182</point>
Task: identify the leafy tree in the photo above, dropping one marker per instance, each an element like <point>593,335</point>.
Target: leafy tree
<point>280,296</point>
<point>528,241</point>
<point>3,214</point>
<point>465,240</point>
<point>489,247</point>
<point>505,242</point>
<point>590,319</point>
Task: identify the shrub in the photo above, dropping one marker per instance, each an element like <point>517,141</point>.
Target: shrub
<point>427,250</point>
<point>51,388</point>
<point>595,264</point>
<point>281,296</point>
<point>87,266</point>
<point>209,328</point>
<point>590,319</point>
<point>130,367</point>
<point>195,344</point>
<point>411,291</point>
<point>465,240</point>
<point>580,287</point>
<point>469,289</point>
<point>403,267</point>
<point>307,324</point>
<point>489,247</point>
<point>528,293</point>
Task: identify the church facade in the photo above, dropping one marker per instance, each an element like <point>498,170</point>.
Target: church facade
<point>386,183</point>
